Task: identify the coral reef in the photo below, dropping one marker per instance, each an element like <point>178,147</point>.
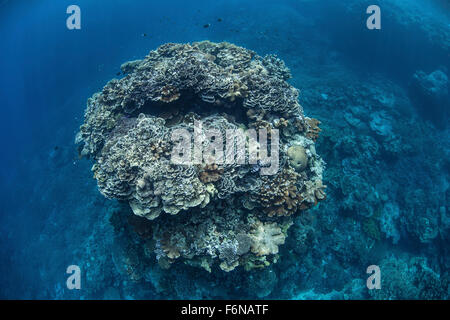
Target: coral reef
<point>430,92</point>
<point>421,217</point>
<point>389,221</point>
<point>207,212</point>
<point>410,278</point>
<point>387,176</point>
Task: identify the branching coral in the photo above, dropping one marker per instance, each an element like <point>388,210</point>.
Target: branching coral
<point>280,196</point>
<point>309,126</point>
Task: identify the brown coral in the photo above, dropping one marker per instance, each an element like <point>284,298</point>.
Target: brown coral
<point>237,90</point>
<point>169,94</point>
<point>210,173</point>
<point>309,126</point>
<point>281,123</point>
<point>314,191</point>
<point>280,196</point>
<point>313,129</point>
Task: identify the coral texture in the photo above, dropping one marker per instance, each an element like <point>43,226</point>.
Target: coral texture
<point>226,211</point>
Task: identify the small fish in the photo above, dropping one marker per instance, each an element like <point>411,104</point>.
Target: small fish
<point>219,20</point>
<point>118,73</point>
<point>144,34</point>
<point>206,25</point>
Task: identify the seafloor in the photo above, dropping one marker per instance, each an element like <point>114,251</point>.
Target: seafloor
<point>384,139</point>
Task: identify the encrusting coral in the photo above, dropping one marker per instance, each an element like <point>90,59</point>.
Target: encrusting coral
<point>201,212</point>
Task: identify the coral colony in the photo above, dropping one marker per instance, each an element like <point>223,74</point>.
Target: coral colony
<point>209,146</point>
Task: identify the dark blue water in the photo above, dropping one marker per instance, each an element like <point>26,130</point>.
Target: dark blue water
<point>53,216</point>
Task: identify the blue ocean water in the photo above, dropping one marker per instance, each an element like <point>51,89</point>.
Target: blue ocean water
<point>382,97</point>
